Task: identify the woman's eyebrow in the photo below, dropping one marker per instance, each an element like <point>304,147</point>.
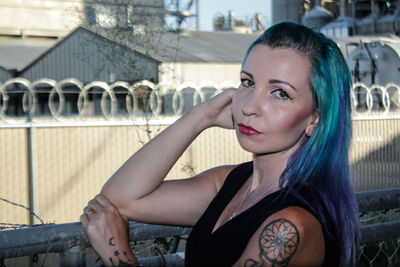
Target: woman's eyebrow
<point>247,73</point>
<point>279,81</point>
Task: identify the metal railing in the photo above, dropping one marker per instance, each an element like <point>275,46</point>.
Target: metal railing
<point>70,240</point>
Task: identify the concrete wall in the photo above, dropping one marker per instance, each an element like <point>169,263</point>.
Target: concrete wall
<point>58,17</point>
<point>198,72</point>
<point>283,10</point>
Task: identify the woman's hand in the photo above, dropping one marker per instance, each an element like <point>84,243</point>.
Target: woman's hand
<point>218,110</point>
<point>107,231</point>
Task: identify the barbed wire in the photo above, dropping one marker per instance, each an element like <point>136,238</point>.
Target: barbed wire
<point>21,206</point>
<point>379,217</point>
<point>12,226</point>
<point>151,98</point>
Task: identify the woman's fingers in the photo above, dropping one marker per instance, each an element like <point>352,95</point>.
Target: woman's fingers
<point>84,220</point>
<point>225,98</point>
<point>218,109</point>
<point>97,204</point>
<point>107,231</point>
<point>101,206</point>
<point>104,201</point>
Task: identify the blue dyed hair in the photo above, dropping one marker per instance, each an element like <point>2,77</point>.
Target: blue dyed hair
<point>322,161</point>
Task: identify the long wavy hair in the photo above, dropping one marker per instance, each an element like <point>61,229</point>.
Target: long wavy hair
<point>322,161</point>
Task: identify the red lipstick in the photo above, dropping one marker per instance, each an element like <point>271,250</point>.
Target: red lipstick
<point>247,130</point>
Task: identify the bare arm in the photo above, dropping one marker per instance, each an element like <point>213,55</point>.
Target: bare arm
<point>137,189</point>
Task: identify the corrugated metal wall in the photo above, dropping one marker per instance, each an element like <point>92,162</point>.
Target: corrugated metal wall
<point>14,185</point>
<point>375,154</point>
<point>72,163</point>
<point>4,75</point>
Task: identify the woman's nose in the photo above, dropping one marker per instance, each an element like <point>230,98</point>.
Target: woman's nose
<point>251,104</point>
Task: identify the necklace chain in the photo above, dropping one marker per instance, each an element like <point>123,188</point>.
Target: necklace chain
<point>237,209</point>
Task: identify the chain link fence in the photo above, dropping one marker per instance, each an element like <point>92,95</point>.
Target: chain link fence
<point>158,245</point>
<point>381,253</point>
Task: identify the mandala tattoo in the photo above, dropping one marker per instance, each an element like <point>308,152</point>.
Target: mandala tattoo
<point>278,242</point>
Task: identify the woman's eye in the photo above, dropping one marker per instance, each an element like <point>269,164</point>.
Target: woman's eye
<point>246,83</point>
<point>281,94</point>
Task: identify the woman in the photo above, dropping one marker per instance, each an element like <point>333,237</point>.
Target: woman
<point>293,205</point>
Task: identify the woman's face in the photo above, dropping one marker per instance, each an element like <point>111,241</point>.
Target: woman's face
<point>273,106</point>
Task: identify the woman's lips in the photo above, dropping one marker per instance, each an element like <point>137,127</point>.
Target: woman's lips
<point>247,130</point>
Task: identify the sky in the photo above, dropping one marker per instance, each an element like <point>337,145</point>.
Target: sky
<point>243,9</point>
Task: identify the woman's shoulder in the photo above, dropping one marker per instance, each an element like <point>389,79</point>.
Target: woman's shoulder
<point>220,174</point>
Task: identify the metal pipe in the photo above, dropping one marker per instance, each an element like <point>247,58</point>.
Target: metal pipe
<point>197,16</point>
<point>378,200</point>
<point>31,161</point>
<point>353,15</point>
<point>61,237</point>
<point>379,232</point>
<point>31,171</point>
<point>71,239</point>
<point>342,8</point>
<point>373,16</point>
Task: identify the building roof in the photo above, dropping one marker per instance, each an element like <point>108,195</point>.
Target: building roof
<point>17,53</point>
<point>78,31</point>
<point>213,47</point>
<point>191,46</point>
<point>216,47</point>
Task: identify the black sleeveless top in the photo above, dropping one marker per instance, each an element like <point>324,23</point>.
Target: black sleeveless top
<point>225,245</point>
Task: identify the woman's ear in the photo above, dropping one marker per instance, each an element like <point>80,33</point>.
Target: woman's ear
<point>311,127</point>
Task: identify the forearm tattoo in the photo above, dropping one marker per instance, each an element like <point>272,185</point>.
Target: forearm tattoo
<point>122,263</point>
<point>278,242</point>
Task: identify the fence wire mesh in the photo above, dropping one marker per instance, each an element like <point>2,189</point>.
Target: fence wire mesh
<point>381,253</point>
<point>384,253</point>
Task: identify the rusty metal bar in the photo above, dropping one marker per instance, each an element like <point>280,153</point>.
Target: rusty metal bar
<point>72,241</point>
<point>380,232</point>
<point>378,200</point>
<point>61,237</point>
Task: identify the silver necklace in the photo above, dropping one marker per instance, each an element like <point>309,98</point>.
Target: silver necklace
<point>236,211</point>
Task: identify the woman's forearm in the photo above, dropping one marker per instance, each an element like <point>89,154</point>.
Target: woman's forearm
<point>145,170</point>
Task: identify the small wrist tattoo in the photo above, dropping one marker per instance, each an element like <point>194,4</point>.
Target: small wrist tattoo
<point>127,262</point>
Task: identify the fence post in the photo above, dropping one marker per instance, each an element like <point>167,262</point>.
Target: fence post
<point>32,178</point>
<point>31,158</point>
<point>74,256</point>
